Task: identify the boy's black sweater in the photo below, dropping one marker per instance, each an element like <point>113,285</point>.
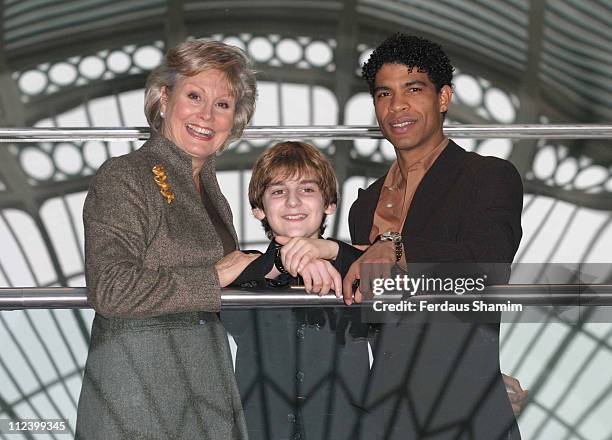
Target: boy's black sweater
<point>301,372</point>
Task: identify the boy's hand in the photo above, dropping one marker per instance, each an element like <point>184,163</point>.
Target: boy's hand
<point>320,276</point>
<point>232,265</point>
<point>297,252</point>
<point>376,262</point>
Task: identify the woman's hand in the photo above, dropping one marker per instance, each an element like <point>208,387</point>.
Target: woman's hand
<point>297,252</point>
<point>232,265</point>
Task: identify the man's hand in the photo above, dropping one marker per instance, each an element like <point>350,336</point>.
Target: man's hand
<point>517,395</point>
<point>376,262</point>
<point>297,252</point>
<point>232,265</point>
<point>320,276</point>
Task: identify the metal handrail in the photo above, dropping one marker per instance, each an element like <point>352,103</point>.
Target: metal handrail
<point>517,131</point>
<point>527,294</point>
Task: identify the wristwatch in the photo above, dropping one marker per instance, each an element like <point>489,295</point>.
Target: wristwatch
<point>396,239</point>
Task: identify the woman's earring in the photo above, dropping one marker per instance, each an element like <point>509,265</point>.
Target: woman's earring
<point>161,114</point>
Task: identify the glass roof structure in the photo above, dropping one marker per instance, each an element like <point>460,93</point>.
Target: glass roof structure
<point>84,63</point>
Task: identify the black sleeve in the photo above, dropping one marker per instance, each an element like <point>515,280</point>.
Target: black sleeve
<point>254,275</point>
<point>352,221</point>
<point>358,213</point>
<point>347,255</point>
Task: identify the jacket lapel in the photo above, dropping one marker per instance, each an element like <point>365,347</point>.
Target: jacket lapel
<point>435,184</point>
<point>368,199</point>
<point>211,187</point>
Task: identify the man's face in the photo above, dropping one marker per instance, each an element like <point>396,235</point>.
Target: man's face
<point>294,207</point>
<point>408,108</point>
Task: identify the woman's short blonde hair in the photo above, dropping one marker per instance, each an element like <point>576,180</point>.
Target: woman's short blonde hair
<point>192,57</point>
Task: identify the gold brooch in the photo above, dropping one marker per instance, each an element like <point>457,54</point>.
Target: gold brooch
<point>161,179</point>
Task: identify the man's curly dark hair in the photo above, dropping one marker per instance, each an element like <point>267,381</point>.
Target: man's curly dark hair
<point>411,51</point>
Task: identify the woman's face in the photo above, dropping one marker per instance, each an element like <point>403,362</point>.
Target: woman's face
<point>198,113</point>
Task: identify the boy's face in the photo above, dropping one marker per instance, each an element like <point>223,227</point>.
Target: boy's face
<point>294,207</point>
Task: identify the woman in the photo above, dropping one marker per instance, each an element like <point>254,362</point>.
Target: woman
<point>159,244</point>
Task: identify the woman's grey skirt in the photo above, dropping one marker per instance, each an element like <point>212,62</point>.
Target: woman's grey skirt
<point>167,377</point>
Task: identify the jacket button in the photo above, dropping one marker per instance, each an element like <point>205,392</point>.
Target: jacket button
<point>291,417</point>
<point>300,333</point>
<point>299,376</point>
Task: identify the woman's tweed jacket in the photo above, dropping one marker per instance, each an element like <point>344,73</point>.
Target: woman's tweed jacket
<point>159,365</point>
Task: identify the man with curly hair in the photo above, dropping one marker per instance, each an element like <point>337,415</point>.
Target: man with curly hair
<point>436,204</point>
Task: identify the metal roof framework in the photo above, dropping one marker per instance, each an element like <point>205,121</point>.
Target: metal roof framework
<point>550,58</point>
